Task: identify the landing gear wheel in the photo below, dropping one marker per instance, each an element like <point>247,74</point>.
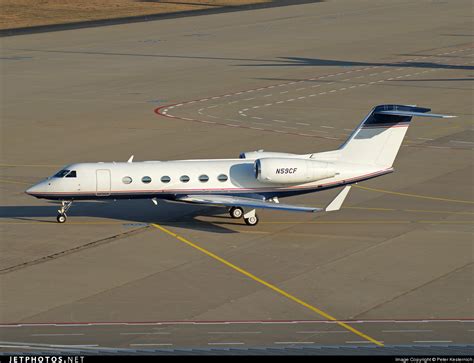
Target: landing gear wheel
<point>236,212</point>
<point>61,218</point>
<point>251,221</point>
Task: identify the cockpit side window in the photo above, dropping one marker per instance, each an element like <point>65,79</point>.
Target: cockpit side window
<point>72,174</point>
<point>61,173</point>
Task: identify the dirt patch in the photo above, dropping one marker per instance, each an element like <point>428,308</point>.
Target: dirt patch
<point>27,13</point>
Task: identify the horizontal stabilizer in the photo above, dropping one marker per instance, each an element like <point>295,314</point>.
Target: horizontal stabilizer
<point>410,113</point>
<point>337,202</point>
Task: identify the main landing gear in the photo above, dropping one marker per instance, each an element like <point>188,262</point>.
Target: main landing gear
<point>65,205</point>
<point>250,218</point>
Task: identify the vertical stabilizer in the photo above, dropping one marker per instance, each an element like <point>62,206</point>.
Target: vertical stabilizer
<point>376,141</point>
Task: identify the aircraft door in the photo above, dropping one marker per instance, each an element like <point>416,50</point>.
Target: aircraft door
<point>103,182</point>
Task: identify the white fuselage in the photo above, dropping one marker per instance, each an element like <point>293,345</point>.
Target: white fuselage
<point>166,179</point>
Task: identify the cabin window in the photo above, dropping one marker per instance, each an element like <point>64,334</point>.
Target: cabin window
<point>126,180</point>
<point>146,179</point>
<point>184,178</point>
<point>72,174</point>
<point>165,179</point>
<point>222,178</point>
<point>61,174</point>
<point>203,178</point>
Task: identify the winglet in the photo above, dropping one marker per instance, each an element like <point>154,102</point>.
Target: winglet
<point>130,160</point>
<point>337,202</point>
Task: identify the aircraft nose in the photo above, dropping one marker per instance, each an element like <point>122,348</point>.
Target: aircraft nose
<point>35,189</point>
<point>31,190</point>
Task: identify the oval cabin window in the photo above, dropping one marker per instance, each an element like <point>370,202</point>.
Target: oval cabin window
<point>203,178</point>
<point>222,178</point>
<point>146,179</point>
<point>165,179</point>
<point>184,178</point>
<point>126,180</point>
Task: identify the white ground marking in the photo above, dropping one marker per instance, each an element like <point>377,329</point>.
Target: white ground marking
<point>234,332</point>
<point>324,332</point>
<point>406,331</point>
<point>149,344</point>
<point>226,343</point>
<point>334,90</point>
<point>53,334</point>
<point>462,142</point>
<point>145,333</point>
<point>288,343</point>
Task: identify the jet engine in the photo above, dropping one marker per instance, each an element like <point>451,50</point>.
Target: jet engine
<point>291,171</point>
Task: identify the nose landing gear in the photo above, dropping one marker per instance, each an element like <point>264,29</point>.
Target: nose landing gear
<point>65,205</point>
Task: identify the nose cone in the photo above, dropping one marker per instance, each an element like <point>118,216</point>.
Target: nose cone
<point>36,189</point>
<point>32,190</point>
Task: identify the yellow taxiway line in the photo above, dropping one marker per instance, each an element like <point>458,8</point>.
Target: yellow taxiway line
<point>267,284</point>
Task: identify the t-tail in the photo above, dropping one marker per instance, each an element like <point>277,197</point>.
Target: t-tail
<point>376,141</point>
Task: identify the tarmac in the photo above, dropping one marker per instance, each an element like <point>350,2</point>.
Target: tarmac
<point>393,267</point>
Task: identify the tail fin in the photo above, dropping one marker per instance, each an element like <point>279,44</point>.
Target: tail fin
<point>378,138</point>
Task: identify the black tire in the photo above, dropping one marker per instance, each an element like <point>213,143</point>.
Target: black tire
<point>236,212</point>
<point>252,221</point>
<point>61,218</point>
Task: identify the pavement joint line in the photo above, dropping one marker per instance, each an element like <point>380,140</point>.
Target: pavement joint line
<point>415,195</point>
<point>355,221</point>
<point>230,322</point>
<point>13,182</point>
<point>30,166</point>
<point>267,284</point>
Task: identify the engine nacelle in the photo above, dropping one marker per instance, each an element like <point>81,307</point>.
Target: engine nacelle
<point>266,154</point>
<point>291,171</point>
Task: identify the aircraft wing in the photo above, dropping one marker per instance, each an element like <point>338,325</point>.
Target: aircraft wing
<point>233,201</point>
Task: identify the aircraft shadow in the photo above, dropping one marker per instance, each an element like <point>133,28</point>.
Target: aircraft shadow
<point>131,212</point>
<point>317,62</point>
<point>255,62</point>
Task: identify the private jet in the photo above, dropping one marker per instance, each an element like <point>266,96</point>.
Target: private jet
<point>255,180</point>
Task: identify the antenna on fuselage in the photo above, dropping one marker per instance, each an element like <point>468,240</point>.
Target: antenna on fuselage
<point>130,159</point>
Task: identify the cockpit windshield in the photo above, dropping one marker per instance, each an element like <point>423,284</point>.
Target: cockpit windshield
<point>61,174</point>
<point>65,173</point>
